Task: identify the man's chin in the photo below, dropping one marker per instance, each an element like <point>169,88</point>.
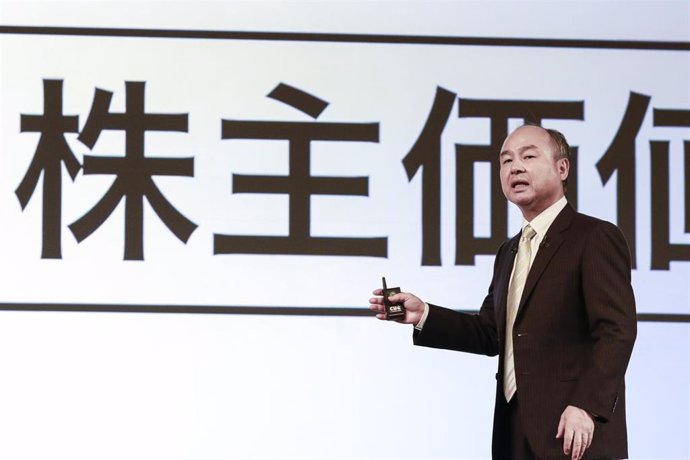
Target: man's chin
<point>521,198</point>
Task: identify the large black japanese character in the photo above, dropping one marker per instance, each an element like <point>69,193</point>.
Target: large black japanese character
<point>663,251</point>
<point>426,154</point>
<point>620,158</point>
<point>51,152</point>
<point>299,184</point>
<point>134,171</point>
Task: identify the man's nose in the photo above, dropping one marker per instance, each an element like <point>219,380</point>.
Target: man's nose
<point>516,166</point>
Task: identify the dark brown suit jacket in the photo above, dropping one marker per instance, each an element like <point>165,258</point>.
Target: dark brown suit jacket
<point>573,334</point>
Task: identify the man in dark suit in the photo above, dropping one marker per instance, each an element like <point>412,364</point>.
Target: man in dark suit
<point>560,314</point>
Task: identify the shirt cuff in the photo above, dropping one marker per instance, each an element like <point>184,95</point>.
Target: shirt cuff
<point>422,320</point>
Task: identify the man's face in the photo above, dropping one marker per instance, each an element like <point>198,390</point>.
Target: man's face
<point>530,175</point>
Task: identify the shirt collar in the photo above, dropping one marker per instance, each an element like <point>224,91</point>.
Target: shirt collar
<point>543,221</point>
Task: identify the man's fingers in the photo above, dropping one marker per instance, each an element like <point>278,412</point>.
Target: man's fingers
<point>577,443</point>
<point>567,442</point>
<point>586,442</point>
<point>376,308</point>
<point>581,442</point>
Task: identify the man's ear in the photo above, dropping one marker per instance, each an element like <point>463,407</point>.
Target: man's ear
<point>563,166</point>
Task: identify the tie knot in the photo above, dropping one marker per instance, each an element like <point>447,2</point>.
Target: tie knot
<point>528,233</point>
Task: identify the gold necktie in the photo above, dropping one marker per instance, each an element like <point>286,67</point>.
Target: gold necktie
<point>517,284</point>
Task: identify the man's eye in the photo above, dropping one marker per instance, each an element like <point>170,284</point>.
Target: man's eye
<point>507,160</point>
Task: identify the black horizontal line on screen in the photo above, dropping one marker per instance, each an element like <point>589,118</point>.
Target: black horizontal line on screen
<point>350,38</point>
<point>255,310</point>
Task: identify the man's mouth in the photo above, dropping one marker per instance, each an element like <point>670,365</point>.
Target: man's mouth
<point>519,185</point>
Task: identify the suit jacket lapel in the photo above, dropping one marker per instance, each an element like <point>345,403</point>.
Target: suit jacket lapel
<point>503,282</point>
<point>548,247</point>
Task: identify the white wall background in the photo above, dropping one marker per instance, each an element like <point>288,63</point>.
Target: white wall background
<point>195,386</point>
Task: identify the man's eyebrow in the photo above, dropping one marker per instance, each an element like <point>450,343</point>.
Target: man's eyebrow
<point>522,149</point>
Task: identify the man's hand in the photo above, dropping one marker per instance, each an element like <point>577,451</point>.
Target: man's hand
<point>414,307</point>
<point>577,429</point>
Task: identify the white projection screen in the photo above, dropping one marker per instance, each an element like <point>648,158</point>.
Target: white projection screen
<point>197,199</point>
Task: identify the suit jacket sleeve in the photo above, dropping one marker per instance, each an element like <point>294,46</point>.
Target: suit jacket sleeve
<point>468,332</point>
<point>610,306</point>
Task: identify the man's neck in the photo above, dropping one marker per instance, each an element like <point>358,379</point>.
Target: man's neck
<point>530,214</point>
